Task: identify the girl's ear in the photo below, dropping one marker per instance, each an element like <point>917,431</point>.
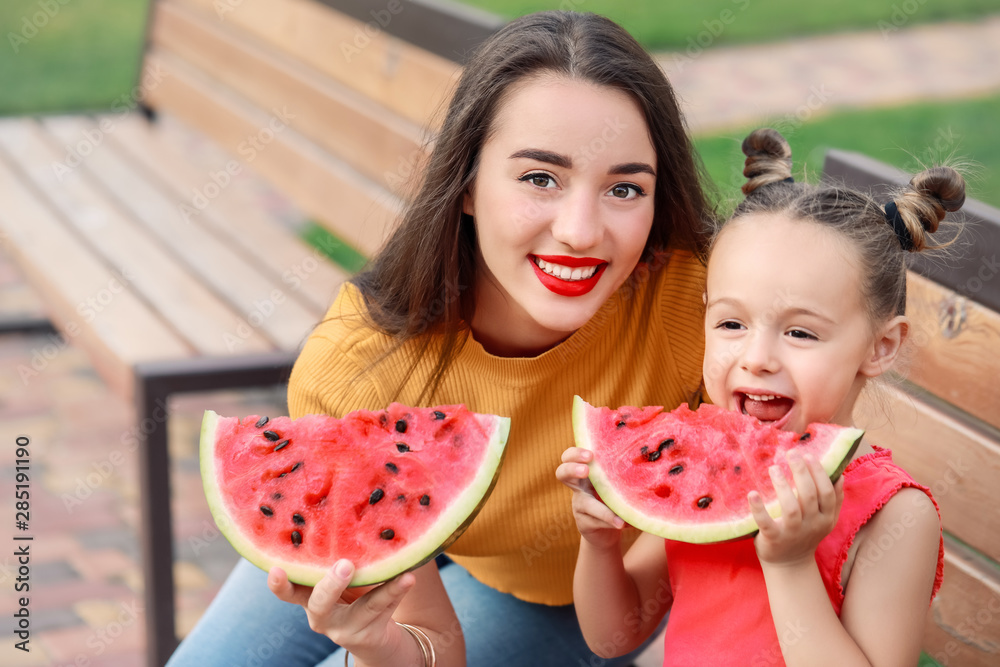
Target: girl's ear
<point>885,350</point>
<point>468,204</point>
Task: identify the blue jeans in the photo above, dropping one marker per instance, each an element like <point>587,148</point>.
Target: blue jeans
<point>247,626</point>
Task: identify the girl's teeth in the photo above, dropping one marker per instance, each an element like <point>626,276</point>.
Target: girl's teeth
<point>762,397</point>
<point>565,272</point>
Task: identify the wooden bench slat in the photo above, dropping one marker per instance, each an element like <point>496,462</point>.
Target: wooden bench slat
<point>373,140</point>
<point>960,465</point>
<point>963,626</point>
<point>199,316</point>
<point>356,209</point>
<point>410,81</point>
<point>184,161</point>
<point>263,303</point>
<point>958,348</point>
<point>74,285</point>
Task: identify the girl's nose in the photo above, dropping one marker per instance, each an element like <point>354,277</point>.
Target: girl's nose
<point>577,223</point>
<point>758,354</point>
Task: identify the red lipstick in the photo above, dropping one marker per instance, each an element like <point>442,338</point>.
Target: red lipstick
<point>569,287</point>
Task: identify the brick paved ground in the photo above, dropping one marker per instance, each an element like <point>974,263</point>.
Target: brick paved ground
<point>85,574</point>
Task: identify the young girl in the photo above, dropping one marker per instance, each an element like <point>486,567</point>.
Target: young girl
<point>551,250</point>
<point>805,299</point>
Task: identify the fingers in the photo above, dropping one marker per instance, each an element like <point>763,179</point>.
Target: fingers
<point>381,602</point>
<point>764,520</point>
<point>791,511</point>
<point>327,592</point>
<point>577,455</point>
<point>826,492</point>
<point>285,590</point>
<point>591,514</point>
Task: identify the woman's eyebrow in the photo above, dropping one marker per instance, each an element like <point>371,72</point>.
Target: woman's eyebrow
<point>632,168</point>
<point>543,156</point>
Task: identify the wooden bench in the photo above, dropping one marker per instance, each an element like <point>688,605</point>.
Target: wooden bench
<point>169,251</point>
<point>942,420</point>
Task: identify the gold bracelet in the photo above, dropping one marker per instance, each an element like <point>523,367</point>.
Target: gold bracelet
<point>426,646</point>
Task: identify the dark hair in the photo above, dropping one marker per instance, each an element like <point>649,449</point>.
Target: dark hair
<point>420,280</point>
<point>855,215</point>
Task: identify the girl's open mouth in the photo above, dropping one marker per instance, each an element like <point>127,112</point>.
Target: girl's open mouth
<point>768,408</point>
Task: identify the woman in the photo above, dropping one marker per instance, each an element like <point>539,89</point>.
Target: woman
<point>552,249</point>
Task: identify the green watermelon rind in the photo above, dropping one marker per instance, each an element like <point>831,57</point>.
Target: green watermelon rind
<point>448,528</point>
<point>836,458</point>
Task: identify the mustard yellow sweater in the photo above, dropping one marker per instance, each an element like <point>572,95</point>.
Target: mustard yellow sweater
<point>524,540</point>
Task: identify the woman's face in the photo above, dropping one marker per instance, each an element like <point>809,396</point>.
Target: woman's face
<point>563,205</point>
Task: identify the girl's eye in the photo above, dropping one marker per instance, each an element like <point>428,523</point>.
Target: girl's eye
<point>627,191</point>
<point>539,180</point>
<point>730,325</point>
<point>803,335</point>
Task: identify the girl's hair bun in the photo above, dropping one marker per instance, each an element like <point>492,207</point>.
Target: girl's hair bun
<point>769,159</point>
<point>931,195</point>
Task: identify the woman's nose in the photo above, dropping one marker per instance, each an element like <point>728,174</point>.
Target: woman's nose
<point>577,222</point>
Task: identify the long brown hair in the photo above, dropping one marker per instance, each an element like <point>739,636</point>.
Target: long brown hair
<point>420,282</point>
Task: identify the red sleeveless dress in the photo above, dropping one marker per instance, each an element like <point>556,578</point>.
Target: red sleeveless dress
<point>720,614</point>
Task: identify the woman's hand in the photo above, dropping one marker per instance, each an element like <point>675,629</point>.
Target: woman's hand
<point>597,524</point>
<point>359,620</point>
<point>806,518</point>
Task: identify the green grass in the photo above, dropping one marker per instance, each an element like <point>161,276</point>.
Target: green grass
<point>670,25</point>
<point>335,249</point>
<point>80,55</point>
<point>961,132</point>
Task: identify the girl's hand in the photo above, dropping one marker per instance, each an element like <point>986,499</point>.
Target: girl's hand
<point>597,524</point>
<point>360,622</point>
<point>805,520</point>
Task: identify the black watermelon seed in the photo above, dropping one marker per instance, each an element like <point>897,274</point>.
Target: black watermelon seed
<point>391,467</point>
<point>260,422</point>
<point>266,511</point>
<point>620,424</point>
<point>296,538</point>
<point>402,447</point>
<point>281,445</point>
<point>276,496</point>
<point>704,502</point>
<point>298,519</point>
<point>665,444</point>
<point>425,500</point>
<point>296,466</point>
<point>376,496</point>
<point>401,426</point>
<point>644,450</point>
<point>737,470</point>
<point>653,456</point>
<point>805,436</point>
<point>676,470</point>
<point>438,414</point>
<point>401,497</point>
<point>387,534</point>
<point>272,436</point>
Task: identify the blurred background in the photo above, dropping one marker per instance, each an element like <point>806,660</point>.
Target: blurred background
<point>908,82</point>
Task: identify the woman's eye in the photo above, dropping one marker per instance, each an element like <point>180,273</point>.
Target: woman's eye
<point>539,180</point>
<point>627,191</point>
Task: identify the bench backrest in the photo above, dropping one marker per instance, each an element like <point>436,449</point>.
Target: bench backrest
<point>334,110</point>
<point>942,421</point>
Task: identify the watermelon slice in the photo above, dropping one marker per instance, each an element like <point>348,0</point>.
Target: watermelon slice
<point>387,490</point>
<point>684,475</point>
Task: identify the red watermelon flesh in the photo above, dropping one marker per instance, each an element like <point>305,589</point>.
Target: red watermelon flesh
<point>388,490</point>
<point>685,474</point>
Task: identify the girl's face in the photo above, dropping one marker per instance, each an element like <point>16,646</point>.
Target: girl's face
<point>787,339</point>
<point>563,204</point>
